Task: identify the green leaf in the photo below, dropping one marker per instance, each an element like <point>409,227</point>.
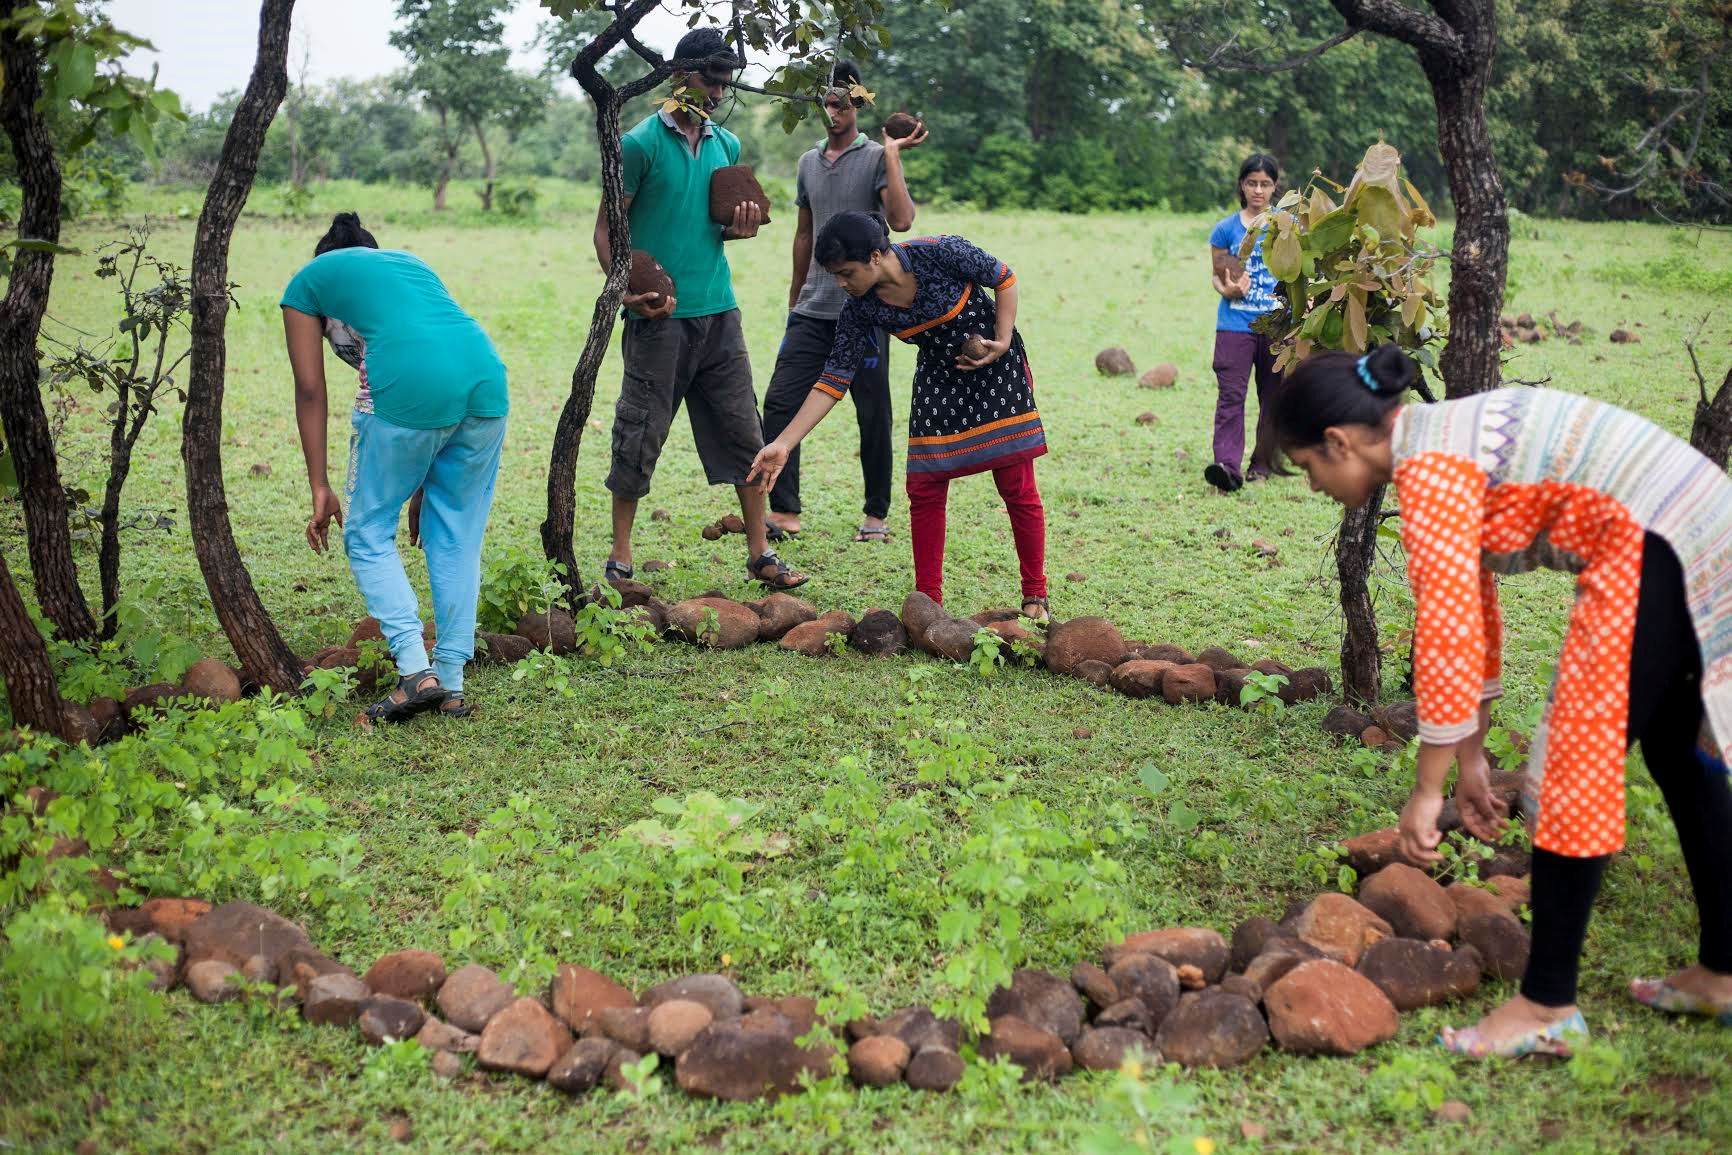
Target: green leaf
<point>1330,231</point>
<point>167,100</point>
<point>1283,256</point>
<point>1153,780</point>
<point>1378,208</point>
<point>77,72</point>
<point>32,245</point>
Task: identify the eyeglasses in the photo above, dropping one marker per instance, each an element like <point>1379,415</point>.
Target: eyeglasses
<point>1260,185</point>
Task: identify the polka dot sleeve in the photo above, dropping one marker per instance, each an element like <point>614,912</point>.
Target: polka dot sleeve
<point>1442,517</point>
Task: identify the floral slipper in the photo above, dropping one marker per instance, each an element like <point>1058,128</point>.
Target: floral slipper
<point>1662,996</point>
<point>1558,1039</point>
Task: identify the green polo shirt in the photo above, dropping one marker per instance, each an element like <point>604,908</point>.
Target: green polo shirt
<point>669,187</point>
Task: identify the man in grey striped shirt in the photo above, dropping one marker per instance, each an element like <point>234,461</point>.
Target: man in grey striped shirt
<point>847,171</point>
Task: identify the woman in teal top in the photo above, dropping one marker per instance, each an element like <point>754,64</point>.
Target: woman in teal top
<point>428,425</point>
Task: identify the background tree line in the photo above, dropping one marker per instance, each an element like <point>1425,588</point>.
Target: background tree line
<point>1598,108</point>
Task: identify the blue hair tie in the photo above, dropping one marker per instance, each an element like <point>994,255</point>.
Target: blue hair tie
<point>1364,370</point>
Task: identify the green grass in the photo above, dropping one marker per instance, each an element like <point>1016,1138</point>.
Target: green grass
<point>1126,510</point>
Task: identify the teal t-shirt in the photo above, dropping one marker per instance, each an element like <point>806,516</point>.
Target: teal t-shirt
<point>670,209</point>
<point>427,362</point>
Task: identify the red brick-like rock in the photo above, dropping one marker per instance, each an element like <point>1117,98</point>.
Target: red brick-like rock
<point>1344,721</point>
<point>1138,678</point>
<point>1369,853</point>
<point>1511,891</point>
<point>733,185</point>
<point>735,626</point>
<point>407,974</point>
<point>1041,1054</point>
<point>648,276</point>
<point>878,1061</point>
<point>210,679</point>
<point>1192,683</point>
<point>523,1038</point>
<point>472,995</point>
<point>1411,901</point>
<point>1322,1007</point>
<point>576,993</point>
<point>1340,927</point>
<point>1305,685</point>
<point>1082,639</point>
<point>1218,659</point>
<point>1198,946</point>
<point>899,125</point>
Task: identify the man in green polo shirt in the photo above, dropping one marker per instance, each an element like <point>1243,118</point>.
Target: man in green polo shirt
<point>688,348</point>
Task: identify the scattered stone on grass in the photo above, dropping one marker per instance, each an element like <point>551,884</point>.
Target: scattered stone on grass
<point>583,1065</point>
<point>1115,362</point>
<point>1139,678</point>
<point>1093,672</point>
<point>779,612</point>
<point>1410,901</point>
<point>1473,900</point>
<point>334,999</point>
<point>502,649</point>
<point>1106,1048</point>
<point>674,1024</point>
<point>1399,719</point>
<point>732,523</point>
<point>1042,1000</point>
<point>919,1028</point>
<point>1454,1111</point>
<point>813,638</point>
<point>1041,1054</point>
<point>1130,1014</point>
<point>627,1026</point>
<point>446,1065</point>
<point>472,995</point>
<point>1512,892</point>
<point>1215,1029</point>
<point>1094,984</point>
<point>879,633</point>
<point>878,1061</point>
<point>1369,853</point>
<point>1322,1007</point>
<point>1502,942</point>
<point>1150,979</point>
<point>1162,376</point>
<point>1189,683</point>
<point>407,974</point>
<point>659,514</point>
<point>523,1038</point>
<point>1416,974</point>
<point>1625,337</point>
<point>919,613</point>
<point>657,565</point>
<point>1218,659</point>
<point>388,1019</point>
<point>212,680</point>
<point>1250,938</point>
<point>1082,639</point>
<point>438,1035</point>
<point>1147,417</point>
<point>212,980</point>
<point>952,638</point>
<point>1340,927</point>
<point>715,622</point>
<point>1082,733</point>
<point>1304,685</point>
<point>934,1068</point>
<point>577,993</point>
<point>237,932</point>
<point>727,1061</point>
<point>1230,686</point>
<point>614,1075</point>
<point>1276,960</point>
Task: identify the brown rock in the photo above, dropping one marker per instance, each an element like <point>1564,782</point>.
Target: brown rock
<point>1273,964</point>
<point>1369,853</point>
<point>952,638</point>
<point>1094,984</point>
<point>1625,337</point>
<point>727,1061</point>
<point>920,1028</point>
<point>1042,1000</point>
<point>212,980</point>
<point>211,679</point>
<point>919,612</point>
<point>1082,639</point>
<point>731,186</point>
<point>1502,942</point>
<point>1322,1007</point>
<point>1198,946</point>
<point>899,125</point>
<point>779,613</point>
<point>1242,986</point>
<point>934,1069</point>
<point>523,1038</point>
<point>407,974</point>
<point>1218,659</point>
<point>1410,901</point>
<point>334,999</point>
<point>583,1065</point>
<point>801,1011</point>
<point>1130,1014</point>
<point>170,917</point>
<point>648,276</point>
<point>1152,980</point>
<point>1107,1048</point>
<point>105,712</point>
<point>1340,927</point>
<point>1399,719</point>
<point>552,630</point>
<point>674,1024</point>
<point>1230,687</point>
<point>717,992</point>
<point>446,1065</point>
<point>712,532</point>
<point>627,1026</point>
<point>1115,362</point>
<point>1093,672</point>
<point>1216,1029</point>
<point>1374,738</point>
<point>1512,892</point>
<point>811,639</point>
<point>973,347</point>
<point>1249,940</point>
<point>577,993</point>
<point>734,626</point>
<point>502,649</point>
<point>1344,721</point>
<point>614,1074</point>
<point>878,1061</point>
<point>472,995</point>
<point>1162,376</point>
<point>1041,1054</point>
<point>149,699</point>
<point>385,1019</point>
<point>1163,652</point>
<point>1305,685</point>
<point>1139,678</point>
<point>1474,900</point>
<point>1192,683</point>
<point>236,932</point>
<point>879,633</point>
<point>1415,974</point>
<point>438,1035</point>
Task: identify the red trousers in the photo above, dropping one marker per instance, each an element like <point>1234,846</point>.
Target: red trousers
<point>926,500</point>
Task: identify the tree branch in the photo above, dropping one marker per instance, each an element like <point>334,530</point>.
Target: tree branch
<point>1396,20</point>
<point>1223,57</point>
<point>1690,348</point>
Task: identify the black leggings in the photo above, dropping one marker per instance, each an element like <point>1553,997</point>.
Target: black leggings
<point>1666,717</point>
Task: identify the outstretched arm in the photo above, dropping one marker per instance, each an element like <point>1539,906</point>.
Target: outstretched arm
<point>304,336</point>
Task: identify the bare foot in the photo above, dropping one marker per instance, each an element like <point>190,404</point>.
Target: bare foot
<point>786,522</point>
<point>1518,1016</point>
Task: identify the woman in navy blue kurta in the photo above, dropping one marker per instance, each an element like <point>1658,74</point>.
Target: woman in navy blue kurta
<point>971,412</point>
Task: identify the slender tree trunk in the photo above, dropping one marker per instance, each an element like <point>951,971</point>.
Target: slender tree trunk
<point>487,168</point>
<point>263,654</point>
<point>1711,431</point>
<point>1355,555</point>
<point>450,146</point>
<point>31,687</point>
<point>119,465</point>
<point>556,530</point>
<point>22,416</point>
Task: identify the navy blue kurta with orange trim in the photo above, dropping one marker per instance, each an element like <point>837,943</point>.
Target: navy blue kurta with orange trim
<point>961,421</point>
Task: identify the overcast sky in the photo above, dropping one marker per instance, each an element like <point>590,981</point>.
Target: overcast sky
<point>206,47</point>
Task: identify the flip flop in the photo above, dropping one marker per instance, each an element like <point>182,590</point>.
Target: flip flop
<point>774,532</point>
<point>1660,995</point>
<point>1559,1039</point>
<point>872,533</point>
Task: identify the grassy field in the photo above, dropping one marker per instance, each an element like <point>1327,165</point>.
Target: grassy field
<point>1146,543</point>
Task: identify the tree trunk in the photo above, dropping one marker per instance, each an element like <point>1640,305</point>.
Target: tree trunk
<point>31,687</point>
<point>263,654</point>
<point>1711,432</point>
<point>556,530</point>
<point>25,422</point>
<point>119,465</point>
<point>487,169</point>
<point>450,147</point>
<point>1355,555</point>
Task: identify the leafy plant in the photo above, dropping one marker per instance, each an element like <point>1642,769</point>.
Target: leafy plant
<point>1351,275</point>
<point>513,583</point>
<point>1145,1114</point>
<point>605,633</point>
<point>1410,1083</point>
<point>1327,864</point>
<point>1263,691</point>
<point>63,974</point>
<point>988,654</point>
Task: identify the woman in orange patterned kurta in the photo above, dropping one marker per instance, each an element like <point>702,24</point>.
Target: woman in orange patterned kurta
<point>1504,482</point>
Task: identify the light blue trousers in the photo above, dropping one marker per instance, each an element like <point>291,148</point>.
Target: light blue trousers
<point>455,468</point>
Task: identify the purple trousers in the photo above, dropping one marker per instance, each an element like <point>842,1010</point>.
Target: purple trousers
<point>1236,355</point>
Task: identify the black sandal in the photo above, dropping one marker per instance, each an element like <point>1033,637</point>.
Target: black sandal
<point>776,533</point>
<point>772,572</point>
<point>1045,615</point>
<point>872,533</point>
<point>454,706</point>
<point>418,698</point>
<point>615,571</point>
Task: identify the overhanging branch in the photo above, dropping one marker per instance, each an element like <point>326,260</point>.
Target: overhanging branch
<point>1230,57</point>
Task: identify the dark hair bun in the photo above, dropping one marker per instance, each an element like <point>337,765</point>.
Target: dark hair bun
<point>347,219</point>
<point>1393,370</point>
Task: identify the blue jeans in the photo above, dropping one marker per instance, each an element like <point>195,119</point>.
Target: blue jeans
<point>455,467</point>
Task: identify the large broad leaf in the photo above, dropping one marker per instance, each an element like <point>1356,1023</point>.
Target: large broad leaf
<point>1283,257</point>
<point>1355,332</point>
<point>1413,310</point>
<point>1330,231</point>
<point>77,72</point>
<point>1320,205</point>
<point>1378,208</point>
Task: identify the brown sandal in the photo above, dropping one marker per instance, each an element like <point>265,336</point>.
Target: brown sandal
<point>772,572</point>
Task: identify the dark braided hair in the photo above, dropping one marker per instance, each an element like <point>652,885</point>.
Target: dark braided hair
<point>1331,389</point>
<point>851,236</point>
<point>345,233</point>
